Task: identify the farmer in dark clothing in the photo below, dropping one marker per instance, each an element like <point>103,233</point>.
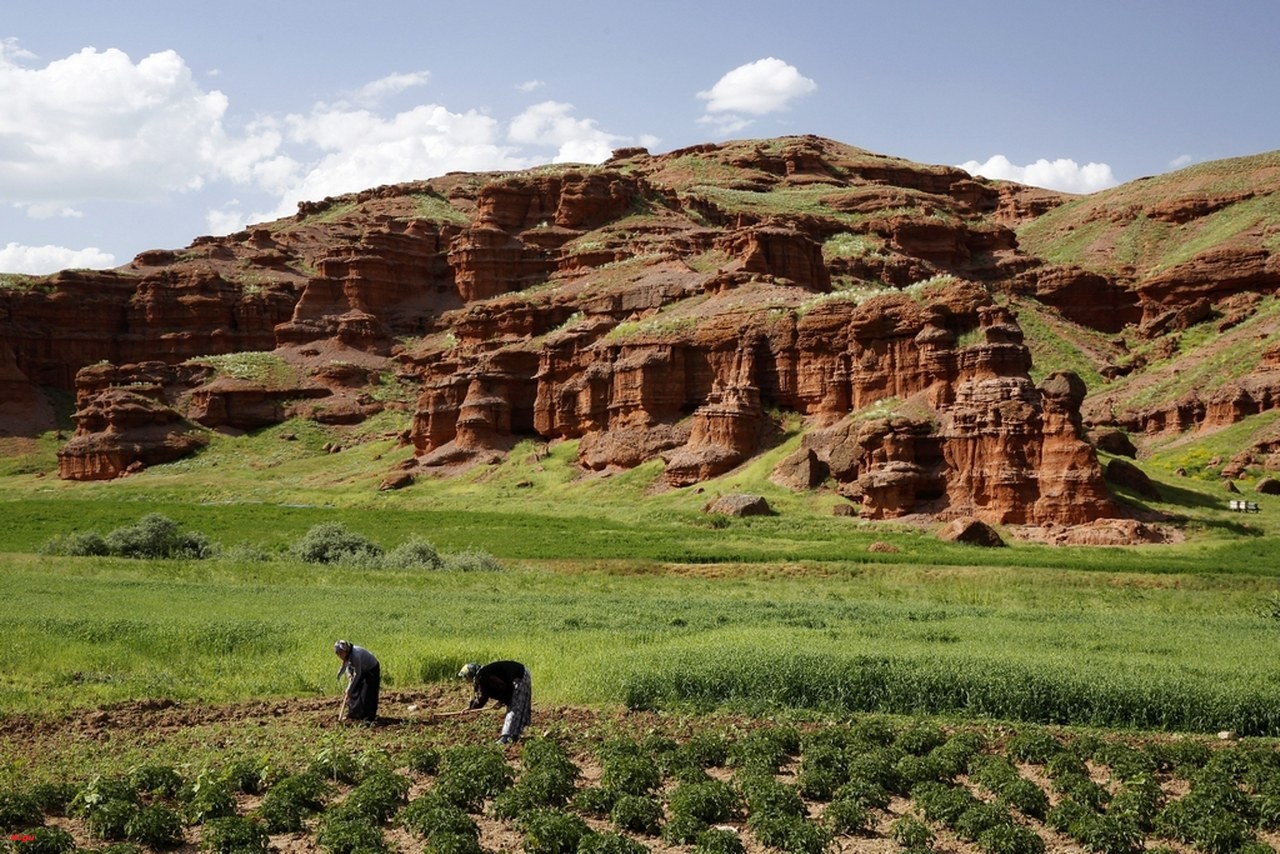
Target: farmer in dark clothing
<point>364,677</point>
<point>507,683</point>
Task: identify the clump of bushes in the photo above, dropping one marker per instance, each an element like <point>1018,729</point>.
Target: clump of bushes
<point>549,779</point>
<point>291,800</point>
<point>154,536</point>
<point>549,831</point>
<point>469,774</point>
<point>234,835</point>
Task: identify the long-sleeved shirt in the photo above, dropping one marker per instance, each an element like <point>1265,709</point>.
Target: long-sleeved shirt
<point>359,662</point>
<point>496,681</point>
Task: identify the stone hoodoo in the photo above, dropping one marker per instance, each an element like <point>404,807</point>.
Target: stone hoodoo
<point>680,307</point>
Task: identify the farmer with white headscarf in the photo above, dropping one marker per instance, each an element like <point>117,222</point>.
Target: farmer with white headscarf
<point>507,683</point>
<point>364,678</point>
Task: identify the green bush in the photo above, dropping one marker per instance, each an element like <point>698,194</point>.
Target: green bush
<point>637,813</point>
<point>869,793</point>
<point>595,801</point>
<point>469,774</point>
<point>331,542</point>
<point>19,810</point>
<point>719,840</point>
<point>1033,745</point>
<point>609,843</point>
<point>790,833</point>
<point>339,766</point>
<point>110,819</point>
<point>234,835</point>
<point>155,826</point>
<point>156,536</point>
<point>1026,797</point>
<point>291,800</point>
<point>912,834</point>
<point>209,797</point>
<point>766,796</point>
<point>47,840</point>
<point>683,829</point>
<point>550,831</point>
<point>848,816</point>
<point>979,818</point>
<point>52,798</point>
<point>942,803</point>
<point>413,553</point>
<point>1010,839</point>
<point>99,791</point>
<point>379,795</point>
<point>710,802</point>
<point>431,816</point>
<point>629,773</point>
<point>424,760</point>
<point>471,560</point>
<point>76,544</point>
<point>920,737</point>
<point>346,831</point>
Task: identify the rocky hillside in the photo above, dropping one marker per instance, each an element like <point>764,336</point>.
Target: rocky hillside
<point>678,306</point>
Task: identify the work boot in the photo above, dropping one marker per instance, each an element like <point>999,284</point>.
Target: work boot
<point>504,739</point>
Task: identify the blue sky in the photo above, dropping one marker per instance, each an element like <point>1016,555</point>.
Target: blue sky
<point>143,124</point>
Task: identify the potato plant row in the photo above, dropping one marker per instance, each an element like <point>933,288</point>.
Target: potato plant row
<point>800,790</point>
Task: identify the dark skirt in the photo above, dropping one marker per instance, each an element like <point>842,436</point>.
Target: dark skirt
<point>362,698</point>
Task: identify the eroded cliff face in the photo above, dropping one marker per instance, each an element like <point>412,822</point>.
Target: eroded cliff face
<point>675,307</point>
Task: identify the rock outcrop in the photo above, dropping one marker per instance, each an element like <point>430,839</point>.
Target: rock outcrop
<point>676,307</point>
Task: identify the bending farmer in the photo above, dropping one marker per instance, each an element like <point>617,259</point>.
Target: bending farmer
<point>360,702</point>
<point>509,684</point>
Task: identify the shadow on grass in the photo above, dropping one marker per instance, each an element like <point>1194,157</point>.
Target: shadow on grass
<point>1182,498</point>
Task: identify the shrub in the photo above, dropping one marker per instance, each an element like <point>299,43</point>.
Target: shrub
<point>337,765</point>
<point>595,801</point>
<point>47,840</point>
<point>155,826</point>
<point>98,792</point>
<point>157,536</point>
<point>291,800</point>
<point>18,810</point>
<point>766,796</point>
<point>942,803</point>
<point>637,813</point>
<point>346,831</point>
<point>979,818</point>
<point>379,795</point>
<point>431,816</point>
<point>110,819</point>
<point>875,731</point>
<point>51,798</point>
<point>1026,797</point>
<point>912,769</point>
<point>790,833</point>
<point>424,760</point>
<point>1010,839</point>
<point>1065,764</point>
<point>234,835</point>
<point>1036,746</point>
<point>609,843</point>
<point>209,797</point>
<point>848,816</point>
<point>718,840</point>
<point>630,773</point>
<point>869,793</point>
<point>818,784</point>
<point>413,553</point>
<point>682,829</point>
<point>912,834</point>
<point>920,737</point>
<point>331,542</point>
<point>764,749</point>
<point>246,776</point>
<point>710,802</point>
<point>471,560</point>
<point>551,832</point>
<point>471,773</point>
<point>76,544</point>
<point>706,750</point>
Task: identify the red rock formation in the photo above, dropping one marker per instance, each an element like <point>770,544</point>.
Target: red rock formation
<point>122,430</point>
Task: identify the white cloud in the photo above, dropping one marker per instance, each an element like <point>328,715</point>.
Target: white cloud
<point>392,84</point>
<point>551,124</point>
<point>39,260</point>
<point>765,86</point>
<point>96,125</point>
<point>530,85</point>
<point>1181,162</point>
<point>1062,174</point>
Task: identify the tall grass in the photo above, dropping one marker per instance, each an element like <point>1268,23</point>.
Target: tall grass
<point>1024,644</point>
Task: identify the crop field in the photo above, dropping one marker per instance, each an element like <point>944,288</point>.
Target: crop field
<point>702,683</point>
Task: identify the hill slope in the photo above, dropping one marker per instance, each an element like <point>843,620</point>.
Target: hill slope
<point>933,332</point>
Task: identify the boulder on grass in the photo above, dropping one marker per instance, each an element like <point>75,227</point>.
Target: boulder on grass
<point>1128,476</point>
<point>972,532</point>
<point>739,505</point>
<point>1116,442</point>
<point>1269,486</point>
